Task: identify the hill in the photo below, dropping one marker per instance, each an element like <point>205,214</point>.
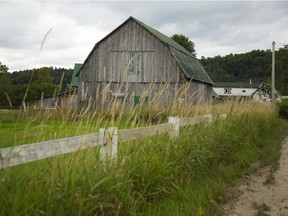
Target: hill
<point>254,65</point>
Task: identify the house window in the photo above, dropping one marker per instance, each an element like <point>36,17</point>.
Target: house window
<point>134,63</point>
<point>227,90</point>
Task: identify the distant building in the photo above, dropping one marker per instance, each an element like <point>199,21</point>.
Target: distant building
<point>68,99</point>
<point>74,79</point>
<point>136,61</point>
<point>238,89</point>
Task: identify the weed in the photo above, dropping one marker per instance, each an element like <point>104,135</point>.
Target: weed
<point>270,179</point>
<point>261,209</point>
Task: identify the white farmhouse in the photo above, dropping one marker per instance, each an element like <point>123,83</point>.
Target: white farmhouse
<point>238,89</point>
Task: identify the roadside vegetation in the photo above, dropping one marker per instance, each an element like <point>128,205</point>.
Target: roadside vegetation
<point>155,176</point>
<point>283,108</point>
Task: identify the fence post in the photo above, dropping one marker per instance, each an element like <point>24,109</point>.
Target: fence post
<point>108,150</point>
<point>222,116</point>
<point>176,122</point>
<point>113,133</point>
<point>209,118</point>
<point>103,146</point>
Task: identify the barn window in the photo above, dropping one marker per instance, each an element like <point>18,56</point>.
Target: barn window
<point>227,90</point>
<point>140,100</point>
<point>134,63</point>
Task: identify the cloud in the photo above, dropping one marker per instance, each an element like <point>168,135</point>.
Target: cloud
<point>216,27</point>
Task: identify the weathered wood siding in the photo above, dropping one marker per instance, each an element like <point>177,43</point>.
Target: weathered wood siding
<point>132,61</point>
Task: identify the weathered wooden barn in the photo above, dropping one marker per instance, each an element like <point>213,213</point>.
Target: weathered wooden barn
<point>138,63</point>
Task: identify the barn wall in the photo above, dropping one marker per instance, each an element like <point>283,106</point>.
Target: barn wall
<point>111,60</point>
<point>163,94</point>
<point>131,60</point>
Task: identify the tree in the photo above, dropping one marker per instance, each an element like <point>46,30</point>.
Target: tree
<point>4,75</point>
<point>5,86</point>
<point>44,75</point>
<point>3,68</point>
<point>185,42</point>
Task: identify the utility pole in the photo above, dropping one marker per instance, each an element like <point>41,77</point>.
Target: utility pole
<point>273,73</point>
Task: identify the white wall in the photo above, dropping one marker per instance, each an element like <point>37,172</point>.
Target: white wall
<point>235,91</point>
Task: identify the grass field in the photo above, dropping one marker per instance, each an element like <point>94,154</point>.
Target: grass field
<point>155,176</point>
<point>40,125</point>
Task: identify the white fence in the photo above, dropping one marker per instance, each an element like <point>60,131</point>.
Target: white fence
<point>108,139</point>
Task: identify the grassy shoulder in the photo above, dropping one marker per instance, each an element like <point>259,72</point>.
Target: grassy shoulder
<point>155,176</point>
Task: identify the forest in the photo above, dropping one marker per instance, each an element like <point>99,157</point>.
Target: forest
<point>254,65</point>
<point>29,84</point>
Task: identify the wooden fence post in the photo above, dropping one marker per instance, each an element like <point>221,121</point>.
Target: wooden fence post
<point>108,151</point>
<point>113,131</point>
<point>222,116</point>
<point>103,147</point>
<point>176,122</point>
<point>209,118</point>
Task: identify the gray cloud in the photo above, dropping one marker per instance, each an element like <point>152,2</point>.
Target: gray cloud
<point>216,28</point>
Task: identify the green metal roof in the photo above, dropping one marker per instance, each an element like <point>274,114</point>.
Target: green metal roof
<point>188,63</point>
<point>163,37</point>
<point>74,79</point>
<point>191,67</point>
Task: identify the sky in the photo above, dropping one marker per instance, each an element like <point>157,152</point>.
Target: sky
<point>60,33</point>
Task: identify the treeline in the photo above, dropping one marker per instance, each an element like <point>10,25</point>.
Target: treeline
<point>31,84</point>
<point>254,65</point>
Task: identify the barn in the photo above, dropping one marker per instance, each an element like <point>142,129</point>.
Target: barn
<point>136,63</point>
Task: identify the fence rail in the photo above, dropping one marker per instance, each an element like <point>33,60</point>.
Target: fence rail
<point>139,133</point>
<point>106,138</point>
<point>31,152</point>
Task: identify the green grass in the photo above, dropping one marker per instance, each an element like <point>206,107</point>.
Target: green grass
<point>17,128</point>
<point>155,176</point>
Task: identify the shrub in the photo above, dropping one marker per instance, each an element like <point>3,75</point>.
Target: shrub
<point>283,108</point>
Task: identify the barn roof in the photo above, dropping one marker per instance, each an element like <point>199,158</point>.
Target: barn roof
<point>188,63</point>
<point>162,37</point>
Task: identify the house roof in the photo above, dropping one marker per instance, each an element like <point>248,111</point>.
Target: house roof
<point>74,79</point>
<point>236,85</point>
<point>188,63</point>
<point>214,94</point>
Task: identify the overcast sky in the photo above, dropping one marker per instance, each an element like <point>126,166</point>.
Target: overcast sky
<point>216,27</point>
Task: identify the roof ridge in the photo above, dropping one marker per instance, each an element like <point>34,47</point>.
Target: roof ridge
<point>164,38</point>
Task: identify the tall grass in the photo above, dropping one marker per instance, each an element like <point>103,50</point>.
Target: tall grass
<point>153,176</point>
<point>35,125</point>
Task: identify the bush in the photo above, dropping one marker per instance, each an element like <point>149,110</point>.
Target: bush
<point>283,108</point>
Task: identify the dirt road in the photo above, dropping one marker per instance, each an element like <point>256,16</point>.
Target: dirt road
<point>259,199</point>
